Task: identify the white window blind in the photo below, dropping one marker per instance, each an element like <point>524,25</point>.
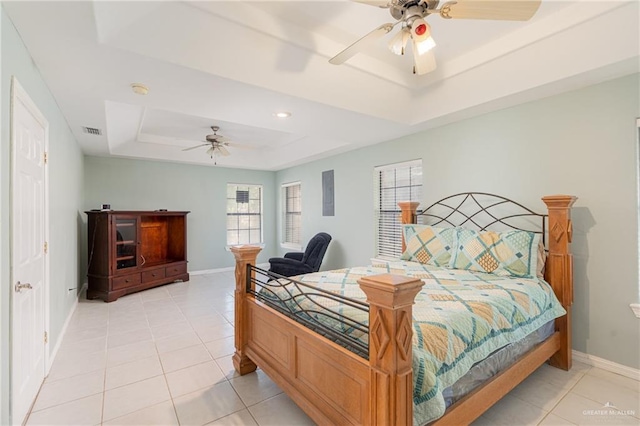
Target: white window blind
<point>244,214</point>
<point>394,183</point>
<point>292,213</point>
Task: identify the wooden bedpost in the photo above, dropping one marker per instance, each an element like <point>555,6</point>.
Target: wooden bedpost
<point>559,270</point>
<point>245,255</point>
<point>390,300</point>
<point>409,209</point>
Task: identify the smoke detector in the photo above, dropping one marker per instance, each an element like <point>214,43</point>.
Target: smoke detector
<point>139,89</point>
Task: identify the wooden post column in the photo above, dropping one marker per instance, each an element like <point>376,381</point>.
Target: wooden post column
<point>390,300</point>
<point>559,270</point>
<point>245,255</point>
<point>409,210</point>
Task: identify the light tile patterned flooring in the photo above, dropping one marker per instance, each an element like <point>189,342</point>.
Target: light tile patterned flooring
<point>163,356</point>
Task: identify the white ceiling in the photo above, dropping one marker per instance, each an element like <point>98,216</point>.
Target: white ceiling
<point>233,64</point>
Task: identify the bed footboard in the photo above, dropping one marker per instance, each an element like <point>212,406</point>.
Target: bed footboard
<point>331,384</point>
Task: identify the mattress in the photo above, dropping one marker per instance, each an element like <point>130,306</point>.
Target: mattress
<point>460,318</point>
<point>498,361</point>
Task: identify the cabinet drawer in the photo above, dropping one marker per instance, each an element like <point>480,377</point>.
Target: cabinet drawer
<point>156,274</point>
<point>126,281</point>
<point>176,270</point>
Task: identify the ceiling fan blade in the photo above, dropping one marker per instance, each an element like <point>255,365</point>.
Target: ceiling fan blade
<point>423,63</point>
<point>194,147</point>
<point>359,45</point>
<point>223,150</point>
<point>506,10</point>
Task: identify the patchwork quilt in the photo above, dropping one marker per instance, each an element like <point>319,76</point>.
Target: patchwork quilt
<point>460,317</point>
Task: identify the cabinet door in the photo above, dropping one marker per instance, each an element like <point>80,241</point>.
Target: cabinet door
<point>126,242</point>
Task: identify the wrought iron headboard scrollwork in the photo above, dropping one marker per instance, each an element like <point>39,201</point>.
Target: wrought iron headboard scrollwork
<point>485,212</point>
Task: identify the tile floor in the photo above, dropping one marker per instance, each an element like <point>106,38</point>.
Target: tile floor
<point>163,357</point>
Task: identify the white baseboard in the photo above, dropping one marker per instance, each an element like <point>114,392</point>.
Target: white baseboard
<point>607,365</point>
<point>212,271</point>
<point>227,269</point>
<point>54,352</point>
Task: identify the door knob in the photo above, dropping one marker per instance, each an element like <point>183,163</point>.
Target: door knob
<point>20,286</point>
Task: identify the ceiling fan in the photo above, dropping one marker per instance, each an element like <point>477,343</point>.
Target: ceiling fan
<point>217,144</point>
<point>411,14</point>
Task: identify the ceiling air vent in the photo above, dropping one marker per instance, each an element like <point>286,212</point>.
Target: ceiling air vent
<point>92,131</point>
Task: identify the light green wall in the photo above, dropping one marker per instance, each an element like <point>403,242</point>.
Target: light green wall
<point>65,200</point>
<point>148,185</point>
<point>581,143</point>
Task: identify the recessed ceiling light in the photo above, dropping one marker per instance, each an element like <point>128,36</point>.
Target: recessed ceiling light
<point>139,88</point>
<point>282,114</point>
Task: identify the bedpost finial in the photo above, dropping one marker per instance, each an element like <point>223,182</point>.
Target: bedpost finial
<point>246,253</point>
<point>559,201</point>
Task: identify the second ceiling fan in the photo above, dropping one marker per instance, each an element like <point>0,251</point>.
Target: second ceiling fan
<point>414,29</point>
<point>217,145</point>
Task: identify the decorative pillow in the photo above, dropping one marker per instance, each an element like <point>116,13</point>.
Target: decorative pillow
<point>512,253</point>
<point>428,244</point>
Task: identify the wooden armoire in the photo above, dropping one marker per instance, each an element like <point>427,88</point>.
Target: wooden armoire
<point>131,251</point>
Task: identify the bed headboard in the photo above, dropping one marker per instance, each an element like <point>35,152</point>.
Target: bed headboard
<point>483,211</point>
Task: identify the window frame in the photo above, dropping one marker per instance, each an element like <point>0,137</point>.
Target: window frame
<point>635,307</point>
<point>387,221</point>
<point>285,214</point>
<point>248,214</point>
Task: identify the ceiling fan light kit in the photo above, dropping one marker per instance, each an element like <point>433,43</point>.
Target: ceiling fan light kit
<point>412,14</point>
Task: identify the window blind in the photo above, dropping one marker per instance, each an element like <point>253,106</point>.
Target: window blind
<point>292,213</point>
<point>394,183</point>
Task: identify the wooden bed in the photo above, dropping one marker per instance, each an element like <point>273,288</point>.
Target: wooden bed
<point>336,387</point>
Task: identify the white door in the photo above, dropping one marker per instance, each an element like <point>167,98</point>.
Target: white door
<point>29,138</point>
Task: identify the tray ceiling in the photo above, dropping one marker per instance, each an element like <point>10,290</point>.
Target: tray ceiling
<point>234,64</point>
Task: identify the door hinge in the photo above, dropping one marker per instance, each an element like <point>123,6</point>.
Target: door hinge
<point>46,157</point>
<point>46,247</point>
<point>46,337</point>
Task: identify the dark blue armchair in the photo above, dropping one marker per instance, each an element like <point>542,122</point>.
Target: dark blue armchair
<point>296,263</point>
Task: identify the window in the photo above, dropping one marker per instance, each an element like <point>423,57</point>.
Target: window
<point>292,214</point>
<point>394,183</point>
<point>244,214</point>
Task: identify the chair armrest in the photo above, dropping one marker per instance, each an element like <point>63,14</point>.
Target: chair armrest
<point>296,255</point>
<point>288,267</point>
<point>286,261</point>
